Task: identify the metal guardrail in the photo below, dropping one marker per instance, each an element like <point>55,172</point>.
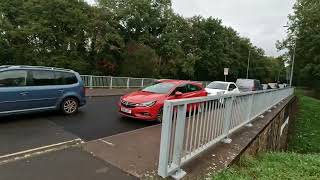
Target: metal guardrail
<point>191,126</point>
<point>115,82</point>
<point>119,82</point>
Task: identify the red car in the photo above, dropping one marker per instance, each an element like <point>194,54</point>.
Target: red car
<point>147,104</point>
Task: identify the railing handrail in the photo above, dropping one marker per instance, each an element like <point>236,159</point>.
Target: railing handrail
<point>114,76</point>
<point>208,98</point>
<point>92,81</point>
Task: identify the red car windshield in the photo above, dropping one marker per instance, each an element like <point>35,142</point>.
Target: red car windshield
<point>159,88</point>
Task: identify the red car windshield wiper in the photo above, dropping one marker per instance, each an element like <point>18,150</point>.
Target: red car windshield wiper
<point>147,91</point>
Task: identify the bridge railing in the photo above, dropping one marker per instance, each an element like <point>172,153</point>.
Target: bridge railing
<point>191,126</point>
<point>115,82</point>
<point>92,81</point>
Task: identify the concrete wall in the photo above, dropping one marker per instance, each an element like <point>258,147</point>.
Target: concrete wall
<point>275,136</point>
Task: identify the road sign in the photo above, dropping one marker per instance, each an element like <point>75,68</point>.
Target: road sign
<point>226,71</point>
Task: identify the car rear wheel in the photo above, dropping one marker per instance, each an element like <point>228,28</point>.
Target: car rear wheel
<point>69,106</point>
<point>159,116</point>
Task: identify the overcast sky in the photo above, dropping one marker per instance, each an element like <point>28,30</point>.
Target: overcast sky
<point>260,20</point>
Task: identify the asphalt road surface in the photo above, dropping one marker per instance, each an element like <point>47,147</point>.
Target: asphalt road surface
<point>99,118</point>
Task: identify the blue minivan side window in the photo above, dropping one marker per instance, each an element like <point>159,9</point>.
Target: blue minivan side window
<point>41,78</point>
<point>13,78</point>
<point>44,78</point>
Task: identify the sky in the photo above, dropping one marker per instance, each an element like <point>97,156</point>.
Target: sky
<point>261,21</point>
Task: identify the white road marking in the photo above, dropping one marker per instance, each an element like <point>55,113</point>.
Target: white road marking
<point>109,143</point>
<point>39,148</point>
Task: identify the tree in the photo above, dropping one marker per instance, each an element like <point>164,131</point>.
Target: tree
<point>304,33</point>
<point>127,38</point>
<point>140,61</point>
<point>51,33</point>
<point>105,44</point>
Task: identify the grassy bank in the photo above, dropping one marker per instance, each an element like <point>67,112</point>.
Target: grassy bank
<point>302,161</point>
<point>275,166</point>
<point>307,129</point>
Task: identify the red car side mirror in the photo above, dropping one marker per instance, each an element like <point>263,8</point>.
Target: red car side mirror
<point>178,93</point>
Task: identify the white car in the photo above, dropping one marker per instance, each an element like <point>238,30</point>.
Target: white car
<point>264,86</point>
<point>220,87</point>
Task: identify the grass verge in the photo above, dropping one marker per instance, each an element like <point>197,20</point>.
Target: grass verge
<point>278,165</point>
<point>301,162</point>
<point>307,127</point>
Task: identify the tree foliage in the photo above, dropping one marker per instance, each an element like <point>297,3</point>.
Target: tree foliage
<point>304,33</point>
<point>142,38</point>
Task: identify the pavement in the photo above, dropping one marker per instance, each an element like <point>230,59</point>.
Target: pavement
<point>49,145</point>
<point>68,164</point>
<point>135,152</point>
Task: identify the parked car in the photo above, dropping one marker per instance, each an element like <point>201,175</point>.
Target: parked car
<point>220,87</point>
<point>273,86</point>
<point>264,86</point>
<point>245,85</point>
<point>147,104</point>
<point>27,89</point>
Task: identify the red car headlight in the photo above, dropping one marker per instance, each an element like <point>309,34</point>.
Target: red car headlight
<point>146,104</point>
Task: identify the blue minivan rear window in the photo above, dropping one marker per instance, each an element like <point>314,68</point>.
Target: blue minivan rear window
<point>64,78</point>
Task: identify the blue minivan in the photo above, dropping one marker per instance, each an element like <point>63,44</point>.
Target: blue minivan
<point>25,89</point>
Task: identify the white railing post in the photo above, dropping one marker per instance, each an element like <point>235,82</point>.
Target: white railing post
<point>178,140</point>
<point>128,83</point>
<point>91,82</point>
<point>142,83</point>
<point>227,119</point>
<point>165,139</point>
<point>110,82</point>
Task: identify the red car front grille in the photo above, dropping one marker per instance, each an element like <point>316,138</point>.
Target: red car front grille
<point>128,104</point>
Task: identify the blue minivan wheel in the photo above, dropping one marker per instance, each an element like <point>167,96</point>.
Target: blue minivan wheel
<point>69,106</point>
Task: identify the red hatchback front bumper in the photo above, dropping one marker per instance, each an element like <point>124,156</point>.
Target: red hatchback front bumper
<point>143,113</point>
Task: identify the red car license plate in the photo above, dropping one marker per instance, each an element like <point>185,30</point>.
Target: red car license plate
<point>125,110</point>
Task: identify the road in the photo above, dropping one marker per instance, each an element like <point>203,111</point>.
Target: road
<point>99,118</point>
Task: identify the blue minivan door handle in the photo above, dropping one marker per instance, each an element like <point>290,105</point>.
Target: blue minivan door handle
<point>61,91</point>
<point>24,93</point>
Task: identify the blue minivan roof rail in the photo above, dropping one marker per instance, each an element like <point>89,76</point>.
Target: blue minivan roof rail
<point>40,67</point>
<point>4,66</point>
